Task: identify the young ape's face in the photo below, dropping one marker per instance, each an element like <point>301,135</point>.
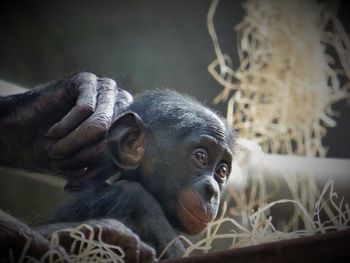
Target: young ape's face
<point>208,161</point>
<point>187,171</point>
<point>181,152</point>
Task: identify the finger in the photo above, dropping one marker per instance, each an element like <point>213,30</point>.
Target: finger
<point>131,249</point>
<point>84,88</point>
<point>86,157</point>
<point>94,128</point>
<point>123,100</point>
<point>118,234</point>
<point>76,116</point>
<point>87,83</point>
<point>147,253</point>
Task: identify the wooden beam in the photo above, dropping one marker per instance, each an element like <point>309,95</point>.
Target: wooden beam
<point>329,247</point>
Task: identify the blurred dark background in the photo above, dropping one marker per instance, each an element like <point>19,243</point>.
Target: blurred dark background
<point>141,44</point>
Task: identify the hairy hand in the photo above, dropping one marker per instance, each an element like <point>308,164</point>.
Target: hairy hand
<point>109,231</point>
<point>19,240</point>
<point>60,127</point>
<point>80,135</point>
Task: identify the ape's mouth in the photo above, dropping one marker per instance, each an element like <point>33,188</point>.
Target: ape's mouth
<point>193,213</point>
<point>193,222</point>
<point>197,216</point>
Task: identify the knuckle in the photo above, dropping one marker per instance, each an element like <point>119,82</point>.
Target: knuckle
<point>82,81</point>
<point>132,240</point>
<point>86,108</point>
<point>124,96</point>
<point>107,83</point>
<point>102,122</point>
<point>83,77</point>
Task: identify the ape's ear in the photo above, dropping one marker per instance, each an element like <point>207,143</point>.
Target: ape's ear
<point>126,141</point>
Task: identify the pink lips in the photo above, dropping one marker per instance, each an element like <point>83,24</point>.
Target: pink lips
<point>203,221</point>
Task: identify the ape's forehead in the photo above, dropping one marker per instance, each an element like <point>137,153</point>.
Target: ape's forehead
<point>217,128</point>
<point>205,121</point>
<point>170,112</point>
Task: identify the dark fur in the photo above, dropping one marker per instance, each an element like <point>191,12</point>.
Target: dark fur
<point>133,200</point>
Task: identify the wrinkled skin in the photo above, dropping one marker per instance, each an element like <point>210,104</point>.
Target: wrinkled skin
<point>60,127</point>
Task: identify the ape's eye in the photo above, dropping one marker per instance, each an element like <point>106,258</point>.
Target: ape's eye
<point>222,170</point>
<point>200,155</point>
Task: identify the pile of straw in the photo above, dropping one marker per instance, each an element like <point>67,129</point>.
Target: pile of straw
<point>84,249</point>
<point>281,94</point>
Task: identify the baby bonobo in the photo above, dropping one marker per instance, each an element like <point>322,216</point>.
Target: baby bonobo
<point>170,157</point>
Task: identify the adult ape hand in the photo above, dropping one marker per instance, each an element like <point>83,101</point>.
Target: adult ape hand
<point>15,236</point>
<point>60,127</point>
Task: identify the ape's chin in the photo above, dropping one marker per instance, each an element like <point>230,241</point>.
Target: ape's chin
<point>191,222</point>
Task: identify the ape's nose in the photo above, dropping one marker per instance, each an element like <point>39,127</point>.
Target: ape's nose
<point>211,189</point>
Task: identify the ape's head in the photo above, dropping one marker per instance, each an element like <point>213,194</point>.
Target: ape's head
<point>180,151</point>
